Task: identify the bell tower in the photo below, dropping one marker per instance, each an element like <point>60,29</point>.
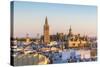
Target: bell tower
<point>46,32</point>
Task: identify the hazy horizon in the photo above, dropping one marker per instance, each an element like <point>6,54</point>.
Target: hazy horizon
<point>29,17</point>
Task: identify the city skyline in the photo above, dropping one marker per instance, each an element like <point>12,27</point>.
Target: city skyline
<point>29,17</point>
<point>49,33</point>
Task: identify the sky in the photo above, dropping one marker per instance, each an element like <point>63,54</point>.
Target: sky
<point>29,17</point>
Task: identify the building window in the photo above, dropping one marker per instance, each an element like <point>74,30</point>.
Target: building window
<point>73,44</point>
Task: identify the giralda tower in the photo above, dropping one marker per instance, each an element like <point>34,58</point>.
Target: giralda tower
<point>46,32</point>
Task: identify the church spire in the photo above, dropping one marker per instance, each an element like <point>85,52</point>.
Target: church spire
<point>46,21</point>
<point>70,31</point>
<point>46,32</point>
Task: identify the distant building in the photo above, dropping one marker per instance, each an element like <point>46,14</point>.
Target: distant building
<point>76,41</point>
<point>60,36</point>
<point>27,38</point>
<point>46,32</point>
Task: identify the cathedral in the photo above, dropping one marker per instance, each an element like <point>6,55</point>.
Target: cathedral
<point>76,41</point>
<point>46,32</point>
<point>73,41</point>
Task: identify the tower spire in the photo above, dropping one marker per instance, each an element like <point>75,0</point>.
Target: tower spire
<point>46,32</point>
<point>70,30</point>
<point>46,20</point>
